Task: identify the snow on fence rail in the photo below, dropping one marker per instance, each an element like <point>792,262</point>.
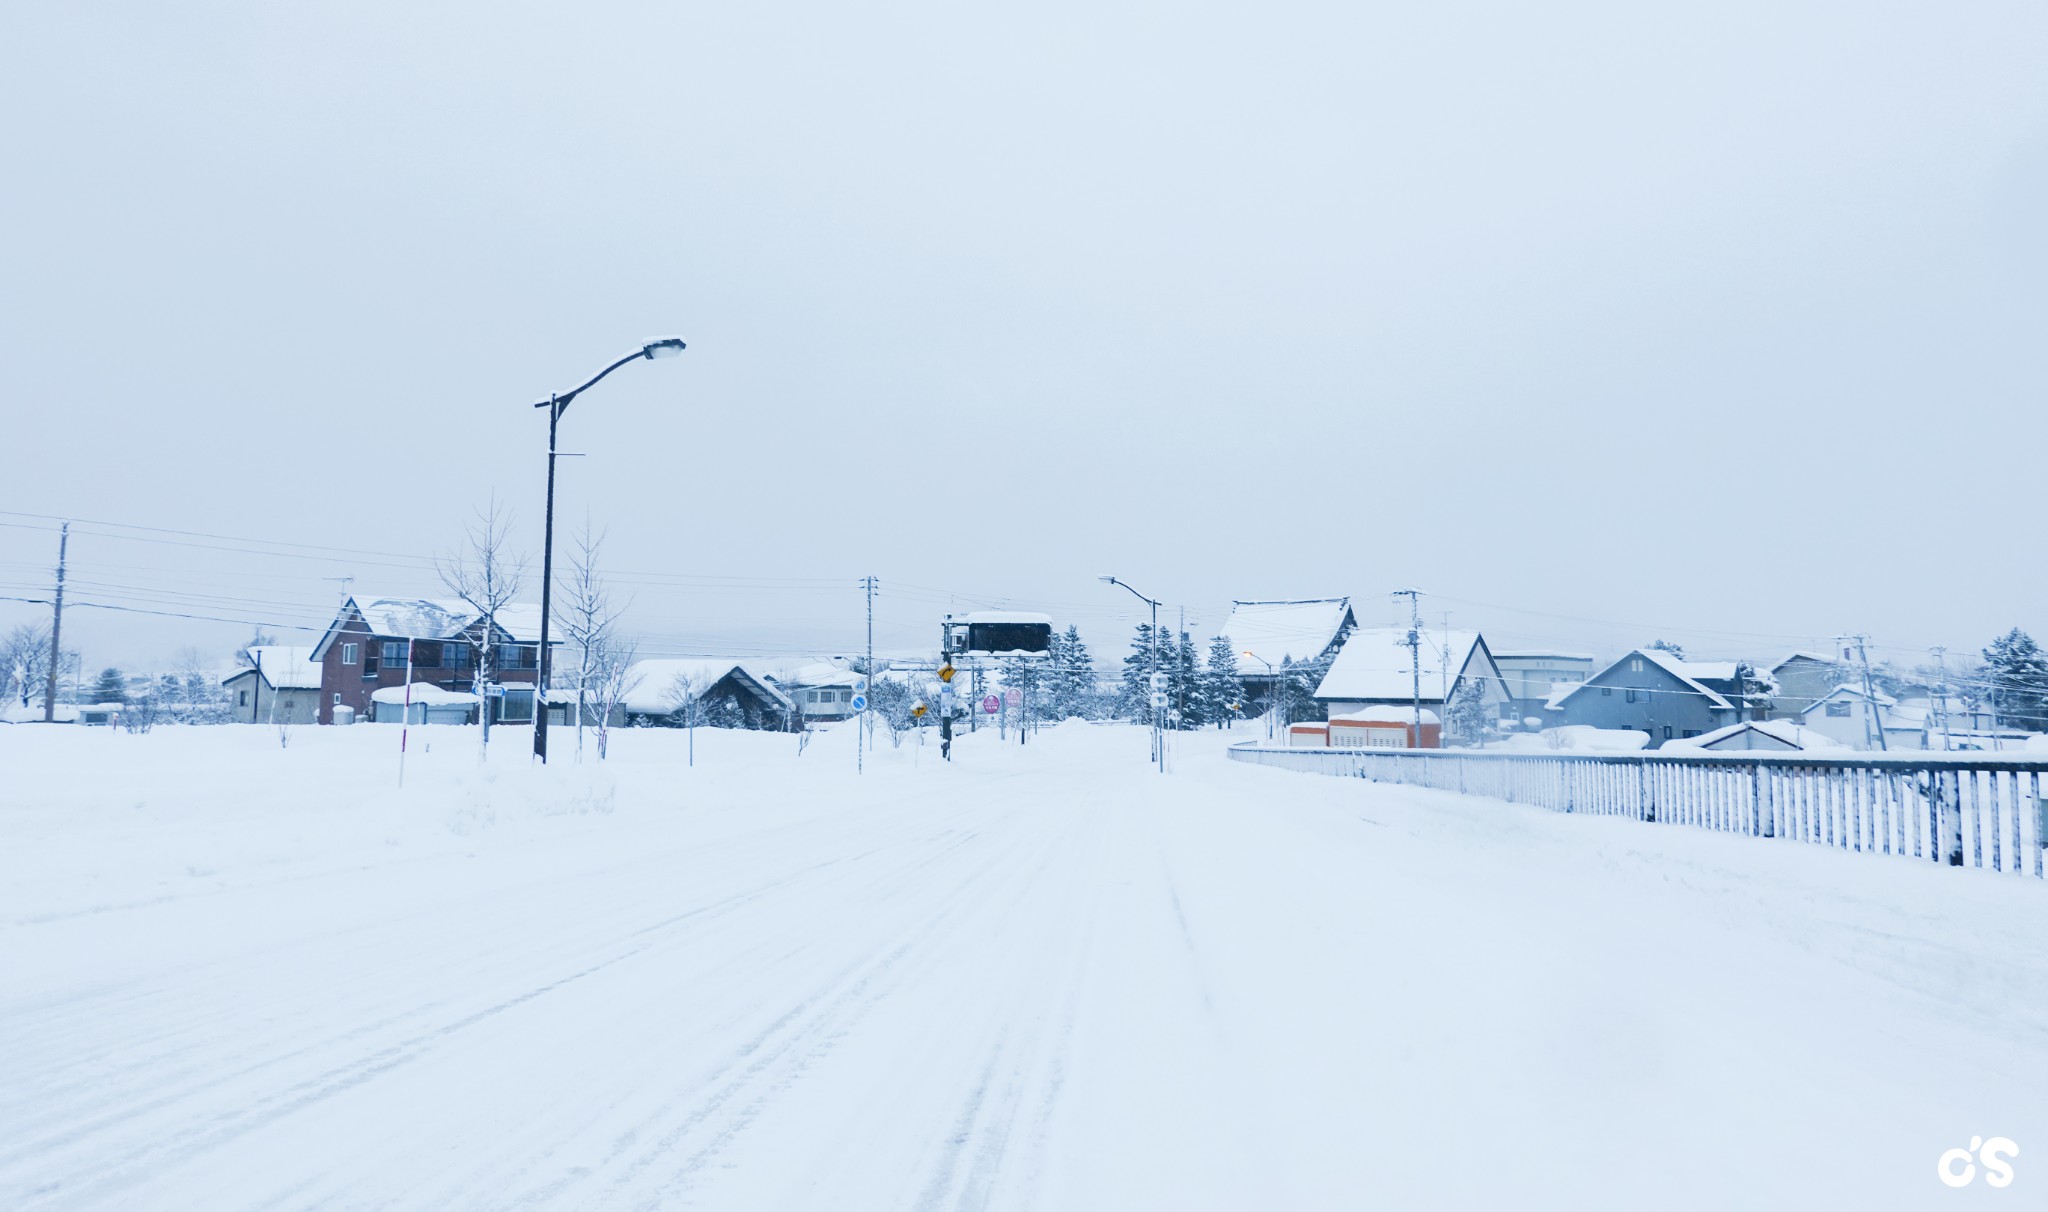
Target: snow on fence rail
<point>1973,811</point>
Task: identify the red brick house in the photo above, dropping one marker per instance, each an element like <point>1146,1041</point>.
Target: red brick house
<point>373,640</point>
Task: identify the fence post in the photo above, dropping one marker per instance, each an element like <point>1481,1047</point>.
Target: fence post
<point>1760,822</point>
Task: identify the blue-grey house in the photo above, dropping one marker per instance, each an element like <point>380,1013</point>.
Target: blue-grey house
<point>1653,691</point>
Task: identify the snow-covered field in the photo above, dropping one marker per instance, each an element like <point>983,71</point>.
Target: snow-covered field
<point>234,976</point>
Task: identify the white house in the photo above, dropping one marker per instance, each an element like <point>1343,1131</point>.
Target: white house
<point>1276,633</point>
<point>1846,715</point>
<point>1376,668</point>
<point>1762,736</point>
<point>823,692</point>
<point>281,686</point>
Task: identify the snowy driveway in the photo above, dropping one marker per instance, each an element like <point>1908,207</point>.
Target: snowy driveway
<point>234,976</point>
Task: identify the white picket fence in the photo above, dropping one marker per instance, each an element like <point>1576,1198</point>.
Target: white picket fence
<point>1971,810</point>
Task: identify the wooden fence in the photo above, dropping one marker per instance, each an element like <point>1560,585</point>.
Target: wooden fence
<point>1967,810</point>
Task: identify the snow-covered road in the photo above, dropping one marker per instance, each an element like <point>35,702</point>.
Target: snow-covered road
<point>234,976</point>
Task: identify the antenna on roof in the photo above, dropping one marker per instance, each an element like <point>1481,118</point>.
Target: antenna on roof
<point>347,584</point>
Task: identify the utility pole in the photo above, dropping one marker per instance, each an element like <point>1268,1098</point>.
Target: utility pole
<point>1414,656</point>
<point>1871,721</point>
<point>1446,663</point>
<point>56,630</point>
<point>1941,696</point>
<point>868,685</point>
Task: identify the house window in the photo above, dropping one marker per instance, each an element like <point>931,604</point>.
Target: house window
<point>241,698</point>
<point>1607,691</point>
<point>1667,732</point>
<point>516,656</point>
<point>348,654</point>
<point>1631,695</point>
<point>1839,710</point>
<point>337,698</point>
<point>369,665</point>
<point>394,652</point>
<point>1690,732</point>
<point>1635,664</point>
<point>455,656</point>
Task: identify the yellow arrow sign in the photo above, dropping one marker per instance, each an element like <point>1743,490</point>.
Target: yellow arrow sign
<point>946,673</point>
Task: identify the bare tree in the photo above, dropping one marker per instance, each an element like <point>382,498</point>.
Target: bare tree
<point>608,677</point>
<point>25,661</point>
<point>487,576</point>
<point>588,616</point>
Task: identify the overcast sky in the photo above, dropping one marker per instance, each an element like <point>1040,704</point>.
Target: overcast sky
<point>1594,322</point>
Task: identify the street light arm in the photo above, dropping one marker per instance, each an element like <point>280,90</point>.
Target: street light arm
<point>562,401</point>
<point>1134,593</point>
<point>646,351</point>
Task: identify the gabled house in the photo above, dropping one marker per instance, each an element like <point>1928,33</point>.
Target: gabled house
<point>822,692</point>
<point>1534,674</point>
<point>1848,716</point>
<point>280,686</point>
<point>1803,679</point>
<point>720,692</point>
<point>1758,736</point>
<point>376,642</point>
<point>1377,668</point>
<point>1654,692</point>
<point>1300,631</point>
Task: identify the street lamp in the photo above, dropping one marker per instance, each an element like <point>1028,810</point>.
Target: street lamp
<point>1158,737</point>
<point>660,347</point>
<point>1272,690</point>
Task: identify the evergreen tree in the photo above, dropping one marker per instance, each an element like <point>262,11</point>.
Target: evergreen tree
<point>1134,693</point>
<point>1668,646</point>
<point>1223,687</point>
<point>1467,714</point>
<point>2019,679</point>
<point>111,687</point>
<point>1184,689</point>
<point>1072,684</point>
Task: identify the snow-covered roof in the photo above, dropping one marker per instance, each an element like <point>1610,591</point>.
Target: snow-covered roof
<point>1784,731</point>
<point>1277,631</point>
<point>1004,616</point>
<point>422,692</point>
<point>651,684</point>
<point>1374,664</point>
<point>1558,691</point>
<point>1848,691</point>
<point>817,673</point>
<point>284,667</point>
<point>1688,672</point>
<point>414,618</point>
<point>417,618</point>
<point>1823,658</point>
<point>1385,713</point>
<point>1537,654</point>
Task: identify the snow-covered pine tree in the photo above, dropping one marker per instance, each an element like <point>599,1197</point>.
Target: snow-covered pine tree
<point>1184,688</point>
<point>111,687</point>
<point>1668,646</point>
<point>1134,693</point>
<point>1223,685</point>
<point>1467,712</point>
<point>1075,676</point>
<point>2019,680</point>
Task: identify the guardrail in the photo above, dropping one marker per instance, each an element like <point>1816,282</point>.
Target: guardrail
<point>1973,810</point>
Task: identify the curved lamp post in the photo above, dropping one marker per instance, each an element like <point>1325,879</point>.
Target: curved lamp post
<point>662,347</point>
<point>1273,691</point>
<point>1158,739</point>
